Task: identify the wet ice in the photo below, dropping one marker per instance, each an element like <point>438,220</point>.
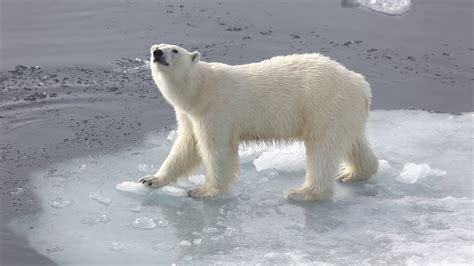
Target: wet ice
<point>417,209</point>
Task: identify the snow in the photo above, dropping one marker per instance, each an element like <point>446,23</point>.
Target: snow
<point>417,210</point>
<point>389,7</point>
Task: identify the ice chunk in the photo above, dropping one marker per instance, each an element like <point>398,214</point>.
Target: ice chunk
<point>216,238</point>
<point>140,189</point>
<point>134,188</point>
<point>288,159</point>
<point>18,191</point>
<point>136,208</point>
<point>60,203</point>
<point>185,243</point>
<point>223,210</point>
<point>290,258</point>
<point>187,258</point>
<point>144,168</point>
<point>229,231</point>
<point>197,241</point>
<point>91,221</point>
<point>210,230</point>
<point>412,172</point>
<point>162,223</point>
<point>117,246</point>
<point>389,7</point>
<point>142,222</point>
<point>384,167</point>
<point>54,248</point>
<point>172,136</point>
<point>101,198</point>
<point>250,152</point>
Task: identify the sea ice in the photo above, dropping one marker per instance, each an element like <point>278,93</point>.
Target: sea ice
<point>373,222</point>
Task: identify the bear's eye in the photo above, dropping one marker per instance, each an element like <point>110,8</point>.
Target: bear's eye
<point>174,51</point>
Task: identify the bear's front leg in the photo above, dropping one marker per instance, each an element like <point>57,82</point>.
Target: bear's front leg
<point>182,159</point>
<point>220,157</point>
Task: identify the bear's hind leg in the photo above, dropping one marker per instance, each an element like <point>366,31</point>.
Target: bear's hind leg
<point>322,163</point>
<point>360,162</point>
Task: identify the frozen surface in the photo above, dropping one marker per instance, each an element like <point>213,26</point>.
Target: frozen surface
<point>418,209</point>
<point>389,7</point>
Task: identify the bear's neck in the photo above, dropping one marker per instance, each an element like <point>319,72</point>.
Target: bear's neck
<point>185,92</point>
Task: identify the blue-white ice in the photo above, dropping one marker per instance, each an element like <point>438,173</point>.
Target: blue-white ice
<point>417,210</point>
<point>389,7</point>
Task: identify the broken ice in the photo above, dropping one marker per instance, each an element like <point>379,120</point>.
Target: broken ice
<point>142,223</point>
<point>378,221</point>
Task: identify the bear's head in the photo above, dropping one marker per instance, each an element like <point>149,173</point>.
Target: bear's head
<point>172,60</point>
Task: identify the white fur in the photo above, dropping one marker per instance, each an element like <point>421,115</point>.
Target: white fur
<point>301,97</point>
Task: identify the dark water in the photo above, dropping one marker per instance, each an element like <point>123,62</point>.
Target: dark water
<point>82,99</point>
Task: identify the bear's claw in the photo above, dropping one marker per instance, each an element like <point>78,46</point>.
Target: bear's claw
<point>152,181</point>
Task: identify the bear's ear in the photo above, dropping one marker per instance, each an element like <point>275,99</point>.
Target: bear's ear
<point>195,56</point>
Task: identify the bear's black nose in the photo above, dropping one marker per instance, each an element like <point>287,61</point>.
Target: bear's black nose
<point>157,54</point>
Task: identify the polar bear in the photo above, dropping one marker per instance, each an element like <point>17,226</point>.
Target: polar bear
<point>299,97</point>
